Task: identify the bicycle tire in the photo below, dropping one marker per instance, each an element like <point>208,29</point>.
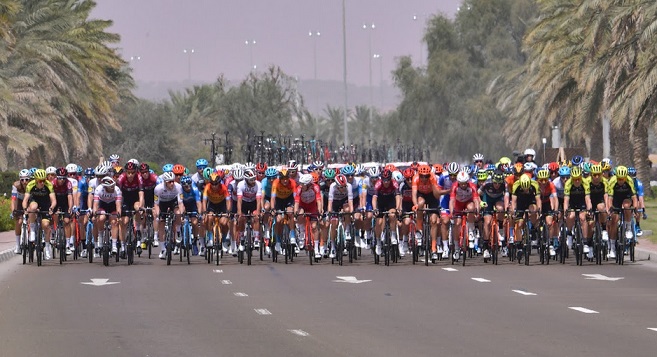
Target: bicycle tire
<point>340,245</point>
<point>620,251</point>
<point>39,245</point>
<point>248,248</point>
<point>90,244</point>
<point>285,238</point>
<point>427,242</point>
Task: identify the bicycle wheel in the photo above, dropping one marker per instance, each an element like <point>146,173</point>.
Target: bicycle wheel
<point>248,248</point>
<point>620,251</point>
<point>563,247</point>
<point>386,245</point>
<point>597,241</point>
<point>89,239</point>
<point>188,244</point>
<point>286,245</point>
<point>427,243</point>
<point>580,242</point>
<point>129,242</point>
<point>39,245</point>
<point>340,245</point>
<point>168,242</point>
<point>61,245</point>
<point>150,237</point>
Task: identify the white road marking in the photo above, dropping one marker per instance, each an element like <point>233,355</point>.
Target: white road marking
<point>241,294</point>
<point>601,277</point>
<point>481,280</point>
<point>526,293</point>
<point>300,332</point>
<point>262,311</point>
<point>100,282</point>
<point>652,328</point>
<point>226,282</point>
<point>217,271</point>
<point>349,279</point>
<point>450,269</point>
<point>583,309</point>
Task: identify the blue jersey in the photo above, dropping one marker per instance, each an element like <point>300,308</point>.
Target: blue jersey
<point>191,198</point>
<point>446,183</point>
<point>83,187</point>
<point>266,187</point>
<point>638,186</point>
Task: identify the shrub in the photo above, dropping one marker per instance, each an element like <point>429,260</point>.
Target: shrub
<point>6,223</point>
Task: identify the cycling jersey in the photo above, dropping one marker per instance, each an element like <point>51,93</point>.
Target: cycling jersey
<point>101,195</point>
<point>525,198</point>
<point>284,191</point>
<point>216,194</point>
<point>249,193</point>
<point>620,191</point>
<point>164,194</point>
<point>308,196</point>
<point>40,195</point>
<point>266,187</point>
<point>337,193</point>
<point>638,186</point>
<point>577,193</point>
<point>598,191</point>
<point>17,191</point>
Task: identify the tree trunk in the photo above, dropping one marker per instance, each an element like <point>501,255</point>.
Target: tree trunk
<point>594,143</point>
<point>639,139</point>
<point>621,150</point>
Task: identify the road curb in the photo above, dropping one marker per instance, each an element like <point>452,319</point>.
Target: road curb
<point>645,255</point>
<point>6,255</point>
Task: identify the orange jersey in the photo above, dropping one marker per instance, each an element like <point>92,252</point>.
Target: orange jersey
<point>510,180</point>
<point>283,191</point>
<point>425,186</point>
<point>215,195</point>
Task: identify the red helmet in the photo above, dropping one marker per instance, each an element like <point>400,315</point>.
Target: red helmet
<point>315,176</point>
<point>341,180</point>
<point>61,172</point>
<point>178,169</point>
<point>391,167</point>
<point>553,166</point>
<point>424,170</point>
<point>438,169</point>
<point>144,167</point>
<point>415,165</point>
<point>261,167</point>
<point>409,173</point>
<point>130,166</point>
<point>386,175</point>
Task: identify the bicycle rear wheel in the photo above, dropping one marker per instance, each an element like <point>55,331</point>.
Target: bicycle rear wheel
<point>249,247</point>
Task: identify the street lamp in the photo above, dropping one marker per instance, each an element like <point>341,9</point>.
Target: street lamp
<point>251,43</point>
<point>371,28</point>
<point>417,18</point>
<point>380,58</point>
<point>344,70</point>
<point>314,35</point>
<point>544,142</point>
<point>189,62</point>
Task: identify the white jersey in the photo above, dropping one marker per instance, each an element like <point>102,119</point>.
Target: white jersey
<point>336,194</point>
<point>232,190</point>
<point>163,194</point>
<point>249,193</point>
<point>91,187</point>
<point>102,195</point>
<point>74,184</point>
<point>368,186</point>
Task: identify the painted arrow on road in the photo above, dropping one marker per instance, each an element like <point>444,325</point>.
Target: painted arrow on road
<point>601,277</point>
<point>349,279</point>
<point>100,282</point>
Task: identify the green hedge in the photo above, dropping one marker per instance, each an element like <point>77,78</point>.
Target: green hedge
<point>6,224</point>
<point>7,178</point>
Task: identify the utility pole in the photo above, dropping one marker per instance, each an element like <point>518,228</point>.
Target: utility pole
<point>213,149</point>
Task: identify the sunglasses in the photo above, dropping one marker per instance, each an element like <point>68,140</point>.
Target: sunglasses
<point>450,175</point>
<point>479,161</point>
<point>72,174</point>
<point>130,172</point>
<point>144,172</point>
<point>25,180</point>
<point>427,176</point>
<point>543,181</point>
<point>187,185</point>
<point>214,183</point>
<point>251,180</point>
<point>179,175</point>
<point>385,180</point>
<point>41,181</point>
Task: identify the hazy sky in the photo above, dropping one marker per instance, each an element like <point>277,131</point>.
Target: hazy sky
<point>157,31</point>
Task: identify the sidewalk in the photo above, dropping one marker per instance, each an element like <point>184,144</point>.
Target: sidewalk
<point>7,245</point>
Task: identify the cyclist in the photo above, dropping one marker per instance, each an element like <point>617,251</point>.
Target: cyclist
<point>577,195</point>
<point>478,160</point>
<point>168,198</point>
<point>308,199</point>
<point>192,202</point>
<point>340,199</point>
<point>216,200</point>
<point>549,204</point>
<point>17,194</point>
<point>386,201</point>
<point>249,201</point>
<point>149,181</point>
<point>64,197</point>
<point>271,173</point>
<point>107,199</point>
<point>355,182</point>
<point>621,194</point>
<point>494,200</point>
<point>525,195</point>
<point>367,192</point>
<point>132,188</point>
<point>599,198</point>
<point>641,207</point>
<point>464,198</point>
<point>282,199</point>
<point>425,192</point>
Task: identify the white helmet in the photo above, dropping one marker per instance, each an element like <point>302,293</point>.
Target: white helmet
<point>107,182</point>
<point>306,179</point>
<point>114,158</point>
<point>51,170</point>
<point>168,176</point>
<point>249,166</point>
<point>478,157</point>
<point>530,152</point>
<point>292,165</point>
<point>72,168</point>
<point>453,168</point>
<point>25,173</point>
<point>462,177</point>
<point>528,166</point>
<point>374,172</point>
<point>236,166</point>
<point>101,170</point>
<point>398,176</point>
<point>134,161</point>
<point>238,174</point>
<point>249,174</point>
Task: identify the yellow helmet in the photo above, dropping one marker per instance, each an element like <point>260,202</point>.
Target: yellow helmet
<point>621,172</point>
<point>543,174</point>
<point>40,174</point>
<point>596,169</point>
<point>505,161</point>
<point>525,182</point>
<point>576,172</point>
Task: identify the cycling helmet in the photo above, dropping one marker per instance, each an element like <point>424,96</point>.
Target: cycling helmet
<point>207,172</point>
<point>61,172</point>
<point>134,161</point>
<point>114,158</point>
<point>398,176</point>
<point>185,180</point>
<point>144,167</point>
<point>341,180</point>
<point>168,176</point>
<point>306,179</point>
<point>498,177</point>
<point>329,174</point>
<point>261,167</point>
<point>201,163</point>
<point>32,171</point>
<point>386,175</point>
<point>607,161</point>
<point>576,160</point>
<point>543,174</point>
<point>605,166</point>
<point>631,171</point>
<point>315,176</point>
<point>529,152</point>
<point>25,173</point>
<point>478,157</point>
<point>505,161</point>
<point>178,169</point>
<point>467,169</point>
<point>553,166</point>
<point>437,169</point>
<point>271,172</point>
<point>118,170</point>
<point>462,177</point>
<point>107,182</point>
<point>79,170</point>
<point>482,175</point>
<point>214,178</point>
<point>284,173</point>
<point>249,166</point>
<point>101,170</point>
<point>292,165</point>
<point>415,165</point>
<point>72,168</point>
<point>517,168</point>
<point>490,167</point>
<point>564,171</point>
<point>586,168</point>
<point>167,168</point>
<point>528,167</point>
<point>318,165</point>
<point>453,168</point>
<point>249,174</point>
<point>89,172</point>
<point>374,172</point>
<point>596,169</point>
<point>576,172</point>
<point>51,170</point>
<point>525,182</point>
<point>621,172</point>
<point>347,170</point>
<point>408,173</point>
<point>40,174</point>
<point>238,174</point>
<point>359,169</point>
<point>391,167</point>
<point>130,166</point>
<point>424,170</point>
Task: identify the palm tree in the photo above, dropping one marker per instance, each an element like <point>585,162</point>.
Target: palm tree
<point>335,122</point>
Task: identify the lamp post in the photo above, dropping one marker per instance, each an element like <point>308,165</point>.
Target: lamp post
<point>544,143</point>
<point>314,35</point>
<point>344,70</point>
<point>251,43</point>
<point>380,58</point>
<point>371,28</point>
<point>189,62</point>
<point>417,18</point>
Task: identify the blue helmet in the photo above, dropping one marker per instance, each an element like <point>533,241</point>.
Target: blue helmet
<point>185,180</point>
<point>564,171</point>
<point>89,172</point>
<point>167,168</point>
<point>79,170</point>
<point>271,172</point>
<point>576,160</point>
<point>631,171</point>
<point>490,167</point>
<point>201,163</point>
<point>347,170</point>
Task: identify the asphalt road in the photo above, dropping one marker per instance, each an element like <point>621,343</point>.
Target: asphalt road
<point>281,310</point>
